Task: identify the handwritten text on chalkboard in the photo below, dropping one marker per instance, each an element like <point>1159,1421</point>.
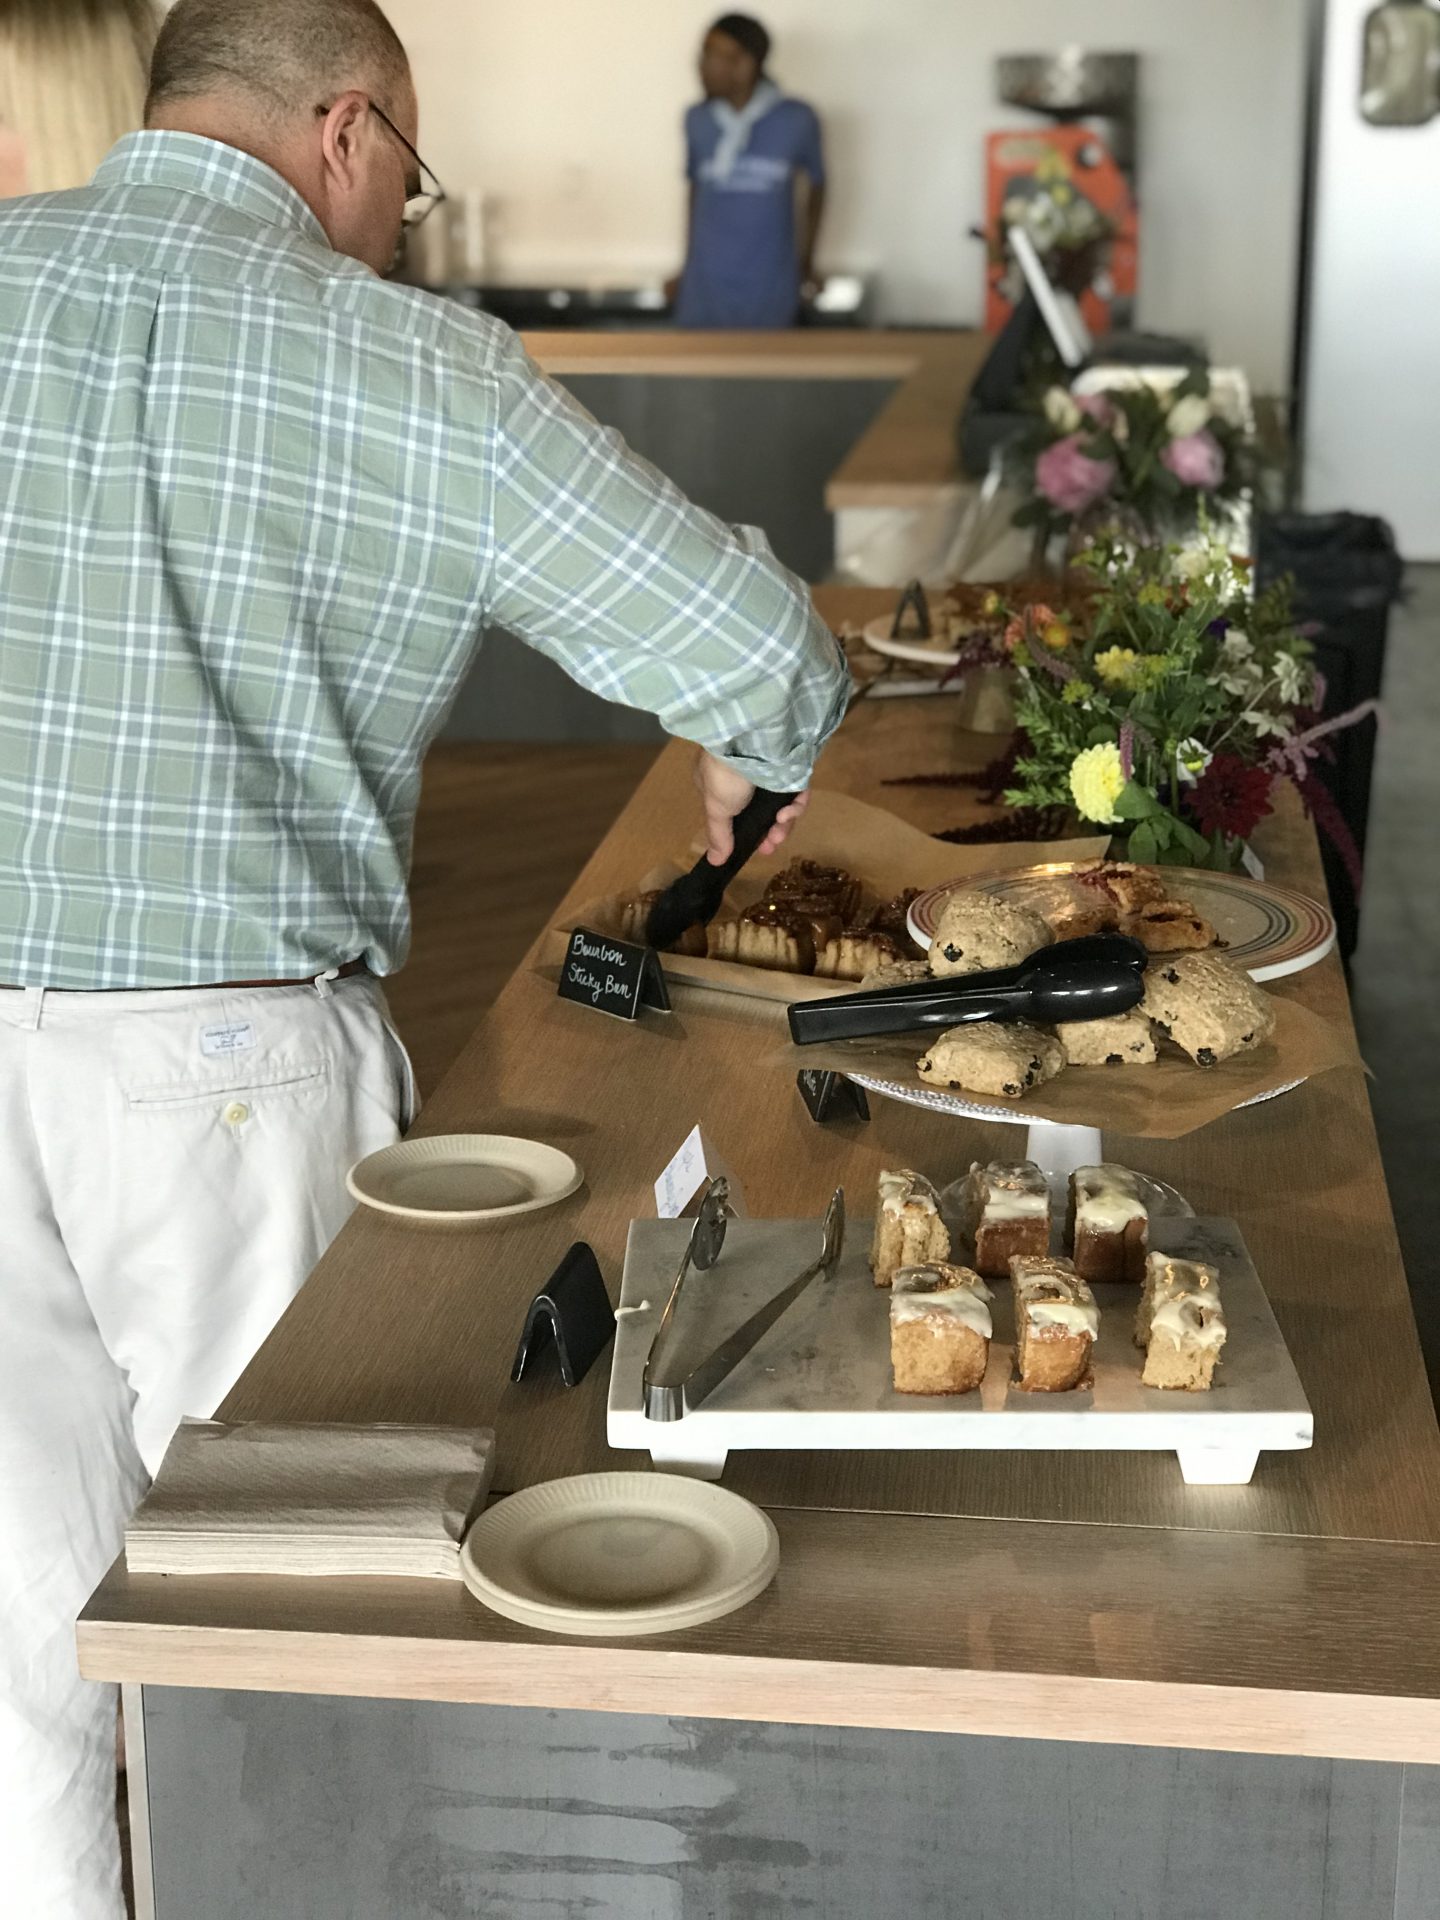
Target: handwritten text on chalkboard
<point>614,976</point>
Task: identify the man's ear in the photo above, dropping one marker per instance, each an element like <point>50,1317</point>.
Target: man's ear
<point>341,135</point>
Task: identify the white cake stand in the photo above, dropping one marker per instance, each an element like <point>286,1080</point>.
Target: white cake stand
<point>1056,1149</point>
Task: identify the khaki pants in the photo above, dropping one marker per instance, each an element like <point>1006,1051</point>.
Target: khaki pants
<point>172,1165</point>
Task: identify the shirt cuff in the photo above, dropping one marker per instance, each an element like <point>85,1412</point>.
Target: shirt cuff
<point>778,758</point>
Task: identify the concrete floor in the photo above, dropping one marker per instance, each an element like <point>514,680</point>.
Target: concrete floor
<point>1396,972</point>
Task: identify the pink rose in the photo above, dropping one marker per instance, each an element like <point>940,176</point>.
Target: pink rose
<point>1098,407</point>
<point>1196,461</point>
<point>1069,479</point>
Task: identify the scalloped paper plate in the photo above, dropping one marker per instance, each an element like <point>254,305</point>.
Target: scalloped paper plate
<point>463,1179</point>
<point>617,1554</point>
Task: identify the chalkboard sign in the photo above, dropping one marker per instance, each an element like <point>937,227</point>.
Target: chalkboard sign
<point>613,976</point>
<point>830,1096</point>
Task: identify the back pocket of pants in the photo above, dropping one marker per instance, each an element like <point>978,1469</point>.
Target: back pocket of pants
<point>284,1083</point>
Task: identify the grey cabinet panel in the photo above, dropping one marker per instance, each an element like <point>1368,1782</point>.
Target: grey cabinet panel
<point>322,1809</point>
<point>757,452</point>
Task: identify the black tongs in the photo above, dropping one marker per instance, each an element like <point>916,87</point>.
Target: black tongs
<point>1086,979</point>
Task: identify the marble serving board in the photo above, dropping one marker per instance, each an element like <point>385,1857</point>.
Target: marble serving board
<point>820,1379</point>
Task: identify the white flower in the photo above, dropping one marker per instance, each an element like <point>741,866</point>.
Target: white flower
<point>1120,428</point>
<point>1290,677</point>
<point>1192,757</point>
<point>1187,416</point>
<point>1236,669</point>
<point>1265,723</point>
<point>1061,410</point>
<point>1193,563</point>
<point>1044,221</point>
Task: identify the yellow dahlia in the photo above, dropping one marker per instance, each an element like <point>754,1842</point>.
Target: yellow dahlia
<point>1097,780</point>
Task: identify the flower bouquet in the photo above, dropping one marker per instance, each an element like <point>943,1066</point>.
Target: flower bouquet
<point>1143,462</point>
<point>1169,709</point>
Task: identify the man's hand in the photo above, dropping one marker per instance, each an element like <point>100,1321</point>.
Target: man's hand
<point>723,794</point>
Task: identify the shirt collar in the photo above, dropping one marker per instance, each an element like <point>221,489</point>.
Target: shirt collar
<point>189,163</point>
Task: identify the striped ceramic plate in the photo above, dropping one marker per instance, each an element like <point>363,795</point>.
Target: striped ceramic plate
<point>1269,930</point>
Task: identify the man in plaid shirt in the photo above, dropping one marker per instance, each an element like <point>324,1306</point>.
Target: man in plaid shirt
<point>256,508</point>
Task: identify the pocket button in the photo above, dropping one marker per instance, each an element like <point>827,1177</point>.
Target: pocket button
<point>237,1113</point>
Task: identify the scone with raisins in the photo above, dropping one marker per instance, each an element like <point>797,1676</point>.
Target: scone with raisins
<point>1122,1040</point>
<point>977,934</point>
<point>1208,1006</point>
<point>985,1058</point>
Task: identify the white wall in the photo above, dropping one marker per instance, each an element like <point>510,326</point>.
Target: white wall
<point>567,113</point>
<point>1372,404</point>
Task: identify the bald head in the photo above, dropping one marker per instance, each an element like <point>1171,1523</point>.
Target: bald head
<point>320,90</point>
<point>283,56</point>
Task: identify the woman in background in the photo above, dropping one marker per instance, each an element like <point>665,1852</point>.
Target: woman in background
<point>72,81</point>
<point>757,189</point>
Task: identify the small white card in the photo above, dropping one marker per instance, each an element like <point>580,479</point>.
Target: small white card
<point>681,1187</point>
<point>221,1040</point>
<point>1252,863</point>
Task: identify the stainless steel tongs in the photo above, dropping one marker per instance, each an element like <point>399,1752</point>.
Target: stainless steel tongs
<point>668,1398</point>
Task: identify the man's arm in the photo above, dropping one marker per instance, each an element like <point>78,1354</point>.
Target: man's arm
<point>672,285</point>
<point>602,564</point>
<point>813,213</point>
<point>810,160</point>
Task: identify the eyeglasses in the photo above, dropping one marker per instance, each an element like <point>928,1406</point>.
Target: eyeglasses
<point>421,201</point>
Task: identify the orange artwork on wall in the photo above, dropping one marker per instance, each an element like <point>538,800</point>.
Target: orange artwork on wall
<point>1065,186</point>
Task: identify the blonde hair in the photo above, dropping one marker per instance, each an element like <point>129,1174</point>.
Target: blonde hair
<point>72,81</point>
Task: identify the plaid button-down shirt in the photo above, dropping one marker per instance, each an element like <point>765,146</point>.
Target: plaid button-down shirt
<point>256,509</point>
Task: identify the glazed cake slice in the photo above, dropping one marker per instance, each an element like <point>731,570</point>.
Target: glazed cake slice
<point>939,1329</point>
<point>1005,1210</point>
<point>1056,1324</point>
<point>1180,1323</point>
<point>1108,1226</point>
<point>908,1229</point>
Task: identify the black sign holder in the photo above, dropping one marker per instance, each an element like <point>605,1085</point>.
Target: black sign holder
<point>573,1311</point>
<point>613,976</point>
<point>830,1096</point>
<point>912,600</point>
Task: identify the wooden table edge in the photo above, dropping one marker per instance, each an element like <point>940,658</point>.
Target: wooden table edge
<point>727,1686</point>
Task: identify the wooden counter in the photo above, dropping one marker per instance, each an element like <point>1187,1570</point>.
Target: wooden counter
<point>906,458</point>
<point>1081,1597</point>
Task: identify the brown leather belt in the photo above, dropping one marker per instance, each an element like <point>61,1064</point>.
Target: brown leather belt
<point>350,968</point>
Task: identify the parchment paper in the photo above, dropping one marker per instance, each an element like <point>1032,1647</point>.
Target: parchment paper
<point>885,853</point>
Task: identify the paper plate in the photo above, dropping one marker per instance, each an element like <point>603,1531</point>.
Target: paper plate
<point>1268,930</point>
<point>459,1179</point>
<point>936,652</point>
<point>615,1554</point>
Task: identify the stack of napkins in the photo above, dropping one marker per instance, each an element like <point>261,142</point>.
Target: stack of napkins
<point>312,1499</point>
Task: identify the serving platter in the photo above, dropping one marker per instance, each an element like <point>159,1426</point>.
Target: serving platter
<point>1271,931</point>
<point>820,1379</point>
